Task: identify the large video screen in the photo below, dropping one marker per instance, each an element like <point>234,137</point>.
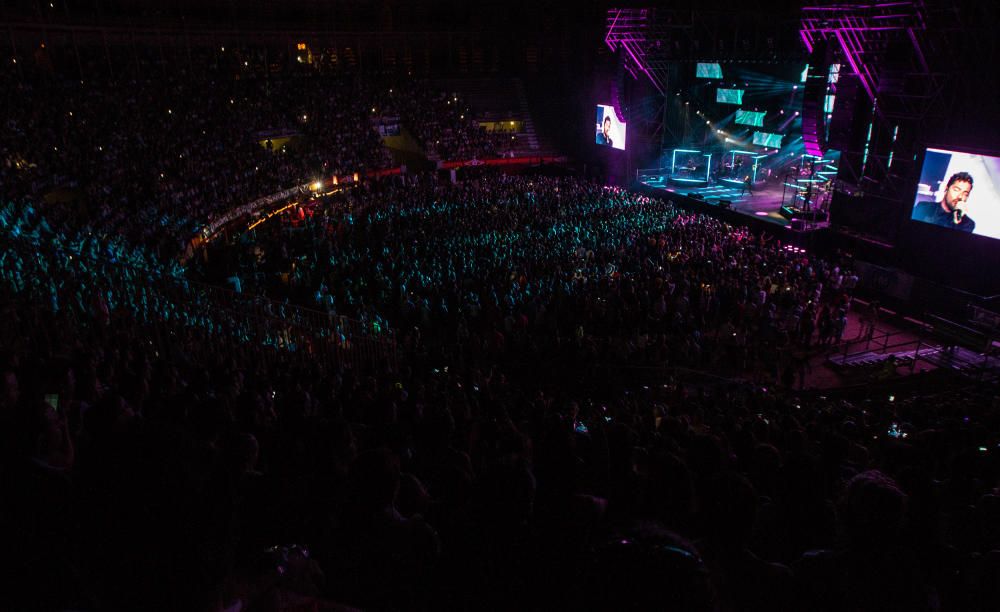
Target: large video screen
<point>764,139</point>
<point>751,118</point>
<point>958,191</point>
<point>708,70</point>
<point>610,132</point>
<point>729,96</point>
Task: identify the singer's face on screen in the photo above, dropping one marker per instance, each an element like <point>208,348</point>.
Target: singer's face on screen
<point>607,126</point>
<point>958,192</point>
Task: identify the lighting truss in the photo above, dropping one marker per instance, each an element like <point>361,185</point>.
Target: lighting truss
<point>863,33</point>
<point>628,29</point>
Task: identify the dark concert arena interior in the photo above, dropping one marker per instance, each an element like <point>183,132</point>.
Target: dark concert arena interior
<point>333,305</point>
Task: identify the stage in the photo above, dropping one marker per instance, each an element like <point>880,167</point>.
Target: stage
<point>764,203</point>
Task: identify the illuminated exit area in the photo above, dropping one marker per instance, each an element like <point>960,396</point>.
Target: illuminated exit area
<point>509,125</point>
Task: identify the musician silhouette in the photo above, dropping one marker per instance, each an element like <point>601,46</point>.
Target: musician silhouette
<point>747,185</point>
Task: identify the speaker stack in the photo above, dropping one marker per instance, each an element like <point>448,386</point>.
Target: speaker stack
<point>814,98</point>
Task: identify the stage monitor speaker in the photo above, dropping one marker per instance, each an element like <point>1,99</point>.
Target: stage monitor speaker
<point>798,224</point>
<point>725,204</point>
<point>695,196</point>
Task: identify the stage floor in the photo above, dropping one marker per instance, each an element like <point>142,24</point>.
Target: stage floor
<point>764,203</point>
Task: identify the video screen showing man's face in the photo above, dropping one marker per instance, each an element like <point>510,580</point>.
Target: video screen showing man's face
<point>959,191</point>
<point>610,132</point>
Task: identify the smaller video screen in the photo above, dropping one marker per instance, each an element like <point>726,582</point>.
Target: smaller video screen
<point>610,131</point>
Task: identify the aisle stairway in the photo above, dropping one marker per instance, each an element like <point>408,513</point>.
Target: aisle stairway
<point>527,138</point>
<point>501,99</point>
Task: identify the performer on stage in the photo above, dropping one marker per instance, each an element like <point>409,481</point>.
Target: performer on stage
<point>951,210</point>
<point>747,185</point>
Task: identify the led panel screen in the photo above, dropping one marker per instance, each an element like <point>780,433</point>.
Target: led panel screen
<point>708,70</point>
<point>729,96</point>
<point>764,139</point>
<point>751,118</point>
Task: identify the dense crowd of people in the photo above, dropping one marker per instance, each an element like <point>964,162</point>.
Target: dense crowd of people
<point>597,402</point>
<point>152,463</point>
<point>558,271</point>
<point>445,125</point>
<point>103,282</point>
<point>153,158</point>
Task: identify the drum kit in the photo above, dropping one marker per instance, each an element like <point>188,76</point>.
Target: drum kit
<point>815,196</point>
